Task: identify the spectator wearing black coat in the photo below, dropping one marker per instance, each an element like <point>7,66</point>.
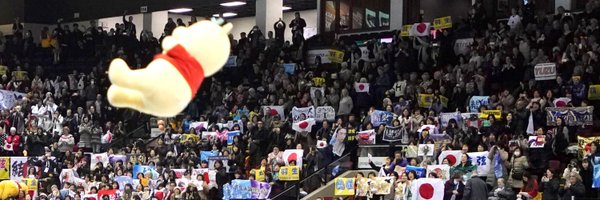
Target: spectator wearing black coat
<point>454,187</point>
<point>550,186</point>
<point>574,187</point>
<point>475,189</point>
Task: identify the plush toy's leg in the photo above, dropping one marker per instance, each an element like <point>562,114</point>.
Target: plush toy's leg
<point>120,74</point>
<point>123,97</point>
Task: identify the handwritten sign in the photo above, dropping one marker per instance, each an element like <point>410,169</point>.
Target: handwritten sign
<point>325,113</point>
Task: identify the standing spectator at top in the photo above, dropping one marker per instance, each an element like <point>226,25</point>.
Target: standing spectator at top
<point>193,20</point>
<point>129,25</point>
<point>17,28</point>
<point>279,28</point>
<point>298,24</point>
<point>515,20</point>
<point>170,26</point>
<point>180,22</point>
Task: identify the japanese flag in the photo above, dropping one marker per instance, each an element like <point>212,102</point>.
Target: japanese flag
<point>561,102</point>
<point>452,156</point>
<point>293,154</point>
<point>106,138</point>
<point>420,29</point>
<point>304,125</point>
<point>321,144</point>
<point>361,87</point>
<point>427,188</point>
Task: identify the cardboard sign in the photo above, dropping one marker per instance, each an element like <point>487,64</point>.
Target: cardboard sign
<point>486,113</point>
<point>289,173</point>
<point>344,186</point>
<point>405,32</point>
<point>442,22</point>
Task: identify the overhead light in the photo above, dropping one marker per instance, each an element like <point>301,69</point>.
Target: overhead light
<point>180,10</point>
<point>233,3</point>
<point>286,8</point>
<point>227,14</point>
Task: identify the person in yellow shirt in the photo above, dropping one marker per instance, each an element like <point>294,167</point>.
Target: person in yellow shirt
<point>3,69</point>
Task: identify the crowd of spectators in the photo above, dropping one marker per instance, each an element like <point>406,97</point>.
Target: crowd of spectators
<point>63,116</point>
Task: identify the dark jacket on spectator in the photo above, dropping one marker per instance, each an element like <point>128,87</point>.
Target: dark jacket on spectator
<point>577,190</point>
<point>475,189</point>
<point>450,186</point>
<point>550,189</point>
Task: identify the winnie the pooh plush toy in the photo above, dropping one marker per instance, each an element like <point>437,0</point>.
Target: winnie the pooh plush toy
<point>10,189</point>
<point>166,86</point>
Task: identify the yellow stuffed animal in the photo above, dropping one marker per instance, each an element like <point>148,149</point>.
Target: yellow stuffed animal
<point>10,189</point>
<point>166,86</point>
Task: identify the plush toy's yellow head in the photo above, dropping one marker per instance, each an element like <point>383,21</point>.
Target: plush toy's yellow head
<point>167,84</point>
<point>10,189</point>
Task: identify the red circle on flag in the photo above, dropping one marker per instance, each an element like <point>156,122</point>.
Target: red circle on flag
<point>361,87</point>
<point>561,104</point>
<point>438,171</point>
<point>303,124</point>
<point>451,159</point>
<point>426,191</point>
<point>293,156</point>
<point>274,112</point>
<point>421,27</point>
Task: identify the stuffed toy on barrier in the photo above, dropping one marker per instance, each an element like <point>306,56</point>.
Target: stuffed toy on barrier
<point>166,86</point>
<point>10,189</point>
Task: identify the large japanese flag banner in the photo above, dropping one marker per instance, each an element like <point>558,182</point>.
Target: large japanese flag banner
<point>481,160</point>
<point>452,156</point>
<point>293,154</point>
<point>427,189</point>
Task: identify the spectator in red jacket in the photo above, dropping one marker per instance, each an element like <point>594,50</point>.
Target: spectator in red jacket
<point>13,142</point>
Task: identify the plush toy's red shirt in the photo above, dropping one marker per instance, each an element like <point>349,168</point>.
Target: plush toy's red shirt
<point>188,66</point>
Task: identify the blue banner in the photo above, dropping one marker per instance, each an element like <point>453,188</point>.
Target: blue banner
<point>204,155</point>
<point>143,169</point>
<point>420,171</point>
<point>477,101</point>
<point>230,136</point>
<point>240,189</point>
<point>289,68</point>
<point>379,117</point>
<point>596,181</point>
<point>123,180</point>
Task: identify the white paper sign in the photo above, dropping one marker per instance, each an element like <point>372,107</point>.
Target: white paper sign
<point>325,113</point>
<point>545,71</point>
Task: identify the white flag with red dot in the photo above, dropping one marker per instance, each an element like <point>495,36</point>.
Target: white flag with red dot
<point>293,154</point>
<point>420,29</point>
<point>361,87</point>
<point>452,156</point>
<point>304,125</point>
<point>427,188</point>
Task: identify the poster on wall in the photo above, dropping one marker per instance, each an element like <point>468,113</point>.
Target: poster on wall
<point>371,18</point>
<point>357,18</point>
<point>344,15</point>
<point>384,19</point>
<point>330,16</point>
